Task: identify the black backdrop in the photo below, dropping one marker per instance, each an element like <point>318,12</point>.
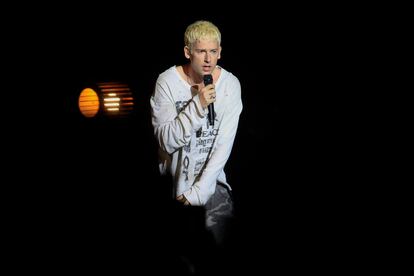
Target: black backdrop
<point>100,193</point>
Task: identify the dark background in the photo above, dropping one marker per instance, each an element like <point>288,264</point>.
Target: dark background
<point>102,202</point>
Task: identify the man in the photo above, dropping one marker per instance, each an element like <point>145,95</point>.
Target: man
<point>191,148</point>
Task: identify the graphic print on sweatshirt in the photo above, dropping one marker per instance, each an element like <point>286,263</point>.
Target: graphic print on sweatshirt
<point>205,138</point>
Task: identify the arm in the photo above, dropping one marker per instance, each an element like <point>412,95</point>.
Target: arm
<point>171,130</point>
<point>205,186</point>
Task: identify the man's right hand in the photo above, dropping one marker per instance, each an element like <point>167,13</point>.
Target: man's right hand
<point>207,95</point>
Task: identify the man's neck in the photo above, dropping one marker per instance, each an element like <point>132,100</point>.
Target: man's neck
<point>192,77</point>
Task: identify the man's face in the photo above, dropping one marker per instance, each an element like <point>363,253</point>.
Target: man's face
<point>204,56</point>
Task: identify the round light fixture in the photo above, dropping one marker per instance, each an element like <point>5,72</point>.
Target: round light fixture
<point>88,102</point>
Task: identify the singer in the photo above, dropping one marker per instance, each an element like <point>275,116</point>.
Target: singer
<point>193,149</point>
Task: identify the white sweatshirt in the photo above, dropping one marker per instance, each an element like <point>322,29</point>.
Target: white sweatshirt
<point>191,150</point>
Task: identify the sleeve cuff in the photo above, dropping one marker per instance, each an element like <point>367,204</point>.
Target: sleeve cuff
<point>192,197</point>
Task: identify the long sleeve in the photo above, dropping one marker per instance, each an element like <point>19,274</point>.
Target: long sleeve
<point>171,130</point>
<point>205,186</point>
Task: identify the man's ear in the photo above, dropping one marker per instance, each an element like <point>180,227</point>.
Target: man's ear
<point>187,52</point>
<point>219,53</point>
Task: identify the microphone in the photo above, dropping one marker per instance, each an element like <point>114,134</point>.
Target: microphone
<point>208,79</point>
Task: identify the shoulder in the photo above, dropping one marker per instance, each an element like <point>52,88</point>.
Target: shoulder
<point>231,83</point>
<point>168,75</point>
<point>229,78</point>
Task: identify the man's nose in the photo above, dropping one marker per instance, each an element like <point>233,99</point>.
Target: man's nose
<point>207,58</point>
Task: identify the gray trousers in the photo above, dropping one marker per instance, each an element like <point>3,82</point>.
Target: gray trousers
<point>219,214</point>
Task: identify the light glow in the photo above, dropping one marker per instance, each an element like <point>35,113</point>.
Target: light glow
<point>88,102</point>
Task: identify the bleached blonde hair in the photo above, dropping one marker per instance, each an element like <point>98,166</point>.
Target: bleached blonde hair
<point>199,30</point>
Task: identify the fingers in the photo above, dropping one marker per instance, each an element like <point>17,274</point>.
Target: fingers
<point>182,199</point>
<point>211,98</point>
<point>208,95</point>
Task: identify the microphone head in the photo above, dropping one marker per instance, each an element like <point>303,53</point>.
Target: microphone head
<point>208,79</point>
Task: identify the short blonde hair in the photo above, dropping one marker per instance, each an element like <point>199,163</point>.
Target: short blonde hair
<point>201,30</point>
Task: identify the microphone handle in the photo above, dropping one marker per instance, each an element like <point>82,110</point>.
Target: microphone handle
<point>211,114</point>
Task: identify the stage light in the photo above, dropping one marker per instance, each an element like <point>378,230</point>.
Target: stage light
<point>88,102</point>
<point>112,99</point>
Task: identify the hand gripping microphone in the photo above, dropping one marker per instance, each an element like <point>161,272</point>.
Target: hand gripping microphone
<point>208,79</point>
